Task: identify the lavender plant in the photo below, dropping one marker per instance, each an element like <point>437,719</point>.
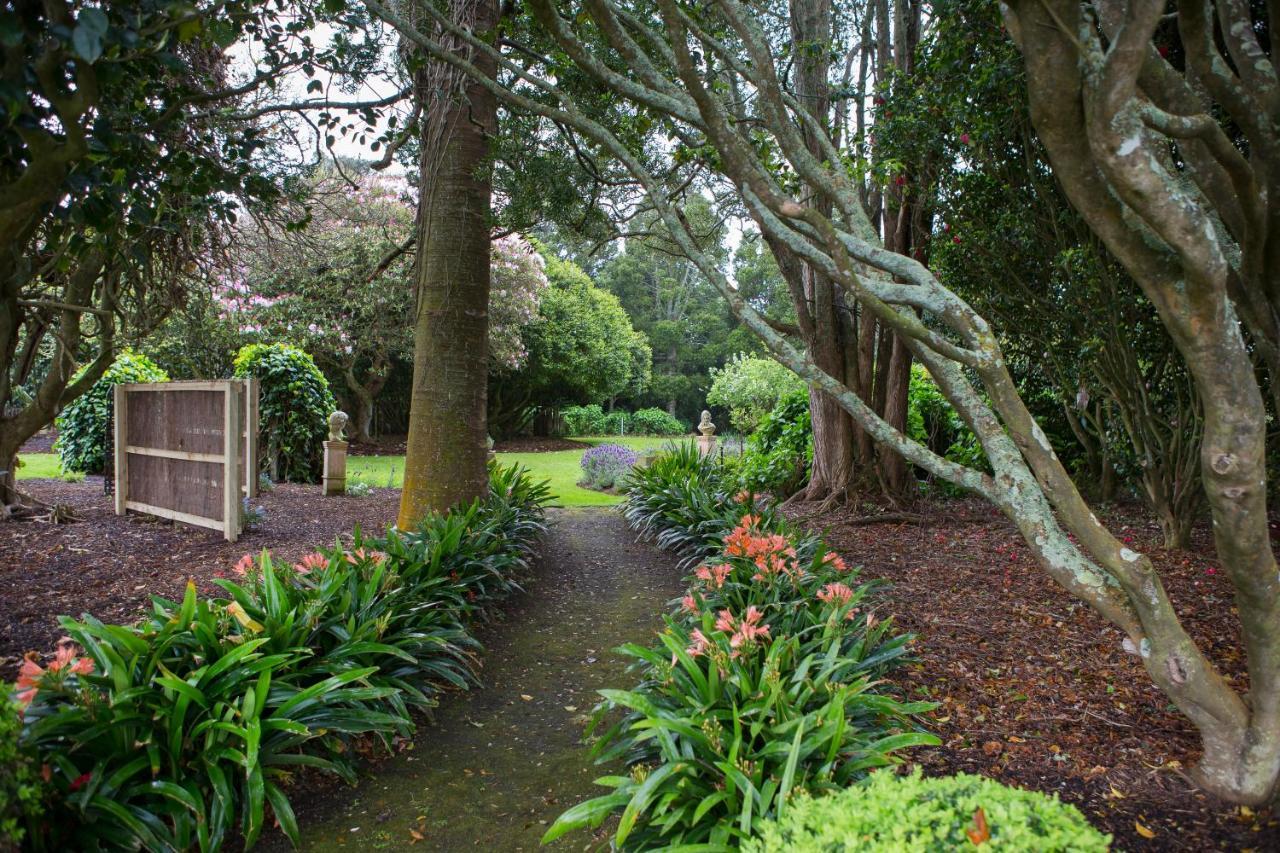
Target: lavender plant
<point>605,465</point>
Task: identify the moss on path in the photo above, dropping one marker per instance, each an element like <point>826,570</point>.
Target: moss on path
<point>499,763</point>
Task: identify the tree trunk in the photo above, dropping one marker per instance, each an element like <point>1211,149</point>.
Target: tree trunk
<point>447,452</point>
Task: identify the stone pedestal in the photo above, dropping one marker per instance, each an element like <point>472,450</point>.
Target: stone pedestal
<point>335,467</point>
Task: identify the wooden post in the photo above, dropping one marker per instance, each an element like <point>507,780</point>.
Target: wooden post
<point>251,392</point>
<point>231,477</point>
<point>119,396</point>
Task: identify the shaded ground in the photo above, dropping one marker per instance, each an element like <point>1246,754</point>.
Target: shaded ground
<point>1035,689</point>
<point>110,565</point>
<point>498,764</point>
<point>394,445</point>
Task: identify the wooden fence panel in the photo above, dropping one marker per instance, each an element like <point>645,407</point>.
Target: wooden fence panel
<point>181,451</point>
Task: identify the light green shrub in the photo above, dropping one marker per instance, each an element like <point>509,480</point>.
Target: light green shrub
<point>82,426</point>
<point>906,814</point>
<point>656,422</point>
<point>584,420</point>
<point>21,789</point>
<point>779,453</point>
<point>750,387</point>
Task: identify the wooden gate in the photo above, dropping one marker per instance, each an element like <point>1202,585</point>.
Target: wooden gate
<point>187,451</point>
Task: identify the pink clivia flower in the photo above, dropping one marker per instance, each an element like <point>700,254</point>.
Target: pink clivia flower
<point>65,654</point>
<point>246,563</point>
<point>713,575</point>
<point>749,629</point>
<point>831,558</point>
<point>689,604</point>
<point>360,554</point>
<point>82,666</point>
<point>835,593</point>
<point>699,645</point>
<point>310,563</point>
<point>724,621</point>
<point>29,675</point>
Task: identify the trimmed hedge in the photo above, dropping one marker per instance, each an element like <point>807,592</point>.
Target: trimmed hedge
<point>82,425</point>
<point>184,729</point>
<point>911,814</point>
<point>294,408</point>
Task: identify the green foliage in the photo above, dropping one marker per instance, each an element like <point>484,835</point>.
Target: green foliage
<point>911,814</point>
<point>656,422</point>
<point>82,426</point>
<point>617,422</point>
<point>188,726</point>
<point>690,328</point>
<point>933,422</point>
<point>22,791</point>
<point>581,349</point>
<point>750,387</point>
<point>762,686</point>
<point>294,407</point>
<point>778,454</point>
<point>584,420</point>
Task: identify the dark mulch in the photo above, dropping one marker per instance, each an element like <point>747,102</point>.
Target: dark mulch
<point>535,444</point>
<point>1035,689</point>
<point>394,445</point>
<point>110,565</point>
<point>383,445</point>
<point>41,442</point>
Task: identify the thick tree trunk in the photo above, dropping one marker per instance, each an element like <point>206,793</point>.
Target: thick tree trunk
<point>447,452</point>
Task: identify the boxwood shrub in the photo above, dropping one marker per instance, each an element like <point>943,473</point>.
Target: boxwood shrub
<point>294,409</point>
<point>912,814</point>
<point>82,426</point>
<point>186,729</point>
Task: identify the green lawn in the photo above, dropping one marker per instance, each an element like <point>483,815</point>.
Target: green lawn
<point>38,465</point>
<point>559,467</point>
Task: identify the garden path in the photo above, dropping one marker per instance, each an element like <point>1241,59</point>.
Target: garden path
<point>499,763</point>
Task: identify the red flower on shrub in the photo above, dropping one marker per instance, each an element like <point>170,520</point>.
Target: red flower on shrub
<point>79,781</point>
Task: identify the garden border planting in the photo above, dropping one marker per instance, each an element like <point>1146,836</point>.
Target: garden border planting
<point>184,729</point>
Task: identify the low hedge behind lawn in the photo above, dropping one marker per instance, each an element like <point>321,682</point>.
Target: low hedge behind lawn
<point>181,730</point>
<point>763,685</point>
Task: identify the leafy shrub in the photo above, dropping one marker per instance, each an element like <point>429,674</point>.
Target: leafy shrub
<point>21,790</point>
<point>584,420</point>
<point>910,814</point>
<point>73,476</point>
<point>779,453</point>
<point>606,465</point>
<point>359,490</point>
<point>175,732</point>
<point>616,422</point>
<point>656,422</point>
<point>82,426</point>
<point>933,422</point>
<point>294,408</point>
<point>750,387</point>
<point>762,686</point>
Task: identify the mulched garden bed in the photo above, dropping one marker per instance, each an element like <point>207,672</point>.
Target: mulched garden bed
<point>1035,689</point>
<point>394,445</point>
<point>110,565</point>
